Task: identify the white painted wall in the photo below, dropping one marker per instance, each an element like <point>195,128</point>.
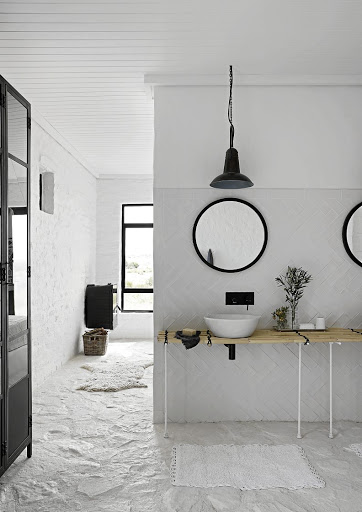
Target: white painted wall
<point>301,148</point>
<point>112,192</point>
<point>63,250</point>
<point>287,137</point>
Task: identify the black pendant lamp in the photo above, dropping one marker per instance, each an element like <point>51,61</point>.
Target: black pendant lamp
<point>231,177</point>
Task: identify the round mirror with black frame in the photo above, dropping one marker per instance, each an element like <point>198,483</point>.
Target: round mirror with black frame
<point>352,234</point>
<point>230,235</point>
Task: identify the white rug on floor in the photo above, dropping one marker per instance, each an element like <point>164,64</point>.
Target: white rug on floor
<point>114,375</point>
<point>246,467</point>
<point>356,448</point>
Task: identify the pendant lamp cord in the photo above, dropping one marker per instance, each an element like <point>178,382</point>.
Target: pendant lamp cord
<point>230,107</point>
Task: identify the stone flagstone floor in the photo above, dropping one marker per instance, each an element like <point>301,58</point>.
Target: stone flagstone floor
<point>100,452</point>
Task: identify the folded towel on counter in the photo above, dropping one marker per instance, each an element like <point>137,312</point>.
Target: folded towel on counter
<point>188,341</point>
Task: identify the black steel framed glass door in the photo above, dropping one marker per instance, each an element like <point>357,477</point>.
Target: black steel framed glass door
<point>2,313</point>
<point>16,412</point>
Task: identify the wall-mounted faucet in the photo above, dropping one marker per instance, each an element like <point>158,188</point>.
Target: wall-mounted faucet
<point>239,299</point>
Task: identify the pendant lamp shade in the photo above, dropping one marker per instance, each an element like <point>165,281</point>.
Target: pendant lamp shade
<point>231,178</point>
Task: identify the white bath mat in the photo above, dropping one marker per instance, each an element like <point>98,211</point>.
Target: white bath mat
<point>246,467</point>
<point>356,448</point>
<point>114,375</point>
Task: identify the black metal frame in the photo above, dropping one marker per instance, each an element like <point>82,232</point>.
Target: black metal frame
<point>123,262</point>
<point>262,221</point>
<point>18,210</point>
<point>344,234</point>
<point>3,312</point>
<point>7,459</point>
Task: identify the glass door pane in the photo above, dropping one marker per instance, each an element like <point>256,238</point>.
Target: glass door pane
<point>17,128</point>
<point>17,272</point>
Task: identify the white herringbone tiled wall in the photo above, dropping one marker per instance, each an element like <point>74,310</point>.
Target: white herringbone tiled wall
<point>304,230</point>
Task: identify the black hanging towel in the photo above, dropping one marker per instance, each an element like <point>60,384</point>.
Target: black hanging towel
<point>99,306</point>
<point>188,341</point>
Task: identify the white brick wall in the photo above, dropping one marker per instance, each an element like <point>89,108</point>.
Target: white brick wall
<point>63,252</point>
<point>111,194</point>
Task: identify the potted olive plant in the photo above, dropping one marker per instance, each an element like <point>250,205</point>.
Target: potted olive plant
<point>293,282</point>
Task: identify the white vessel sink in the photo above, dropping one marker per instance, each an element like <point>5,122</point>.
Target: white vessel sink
<point>232,325</point>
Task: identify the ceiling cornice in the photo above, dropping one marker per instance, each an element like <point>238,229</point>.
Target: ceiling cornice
<point>155,80</point>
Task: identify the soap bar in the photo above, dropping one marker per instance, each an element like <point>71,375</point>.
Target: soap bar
<point>188,332</point>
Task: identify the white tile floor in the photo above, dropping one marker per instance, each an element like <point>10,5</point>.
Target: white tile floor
<point>99,452</point>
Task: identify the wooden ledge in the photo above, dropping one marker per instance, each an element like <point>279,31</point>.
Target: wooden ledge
<point>264,336</point>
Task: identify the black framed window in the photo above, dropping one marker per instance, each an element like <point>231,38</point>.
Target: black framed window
<point>137,258</point>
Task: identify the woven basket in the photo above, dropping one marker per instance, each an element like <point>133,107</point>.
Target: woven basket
<point>95,344</point>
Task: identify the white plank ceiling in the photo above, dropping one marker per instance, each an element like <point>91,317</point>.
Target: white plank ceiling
<point>82,63</point>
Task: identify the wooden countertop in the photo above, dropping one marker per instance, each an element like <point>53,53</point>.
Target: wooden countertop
<point>272,336</point>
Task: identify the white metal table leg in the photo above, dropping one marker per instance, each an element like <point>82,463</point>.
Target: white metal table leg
<point>330,390</point>
<point>299,435</point>
<point>165,390</point>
